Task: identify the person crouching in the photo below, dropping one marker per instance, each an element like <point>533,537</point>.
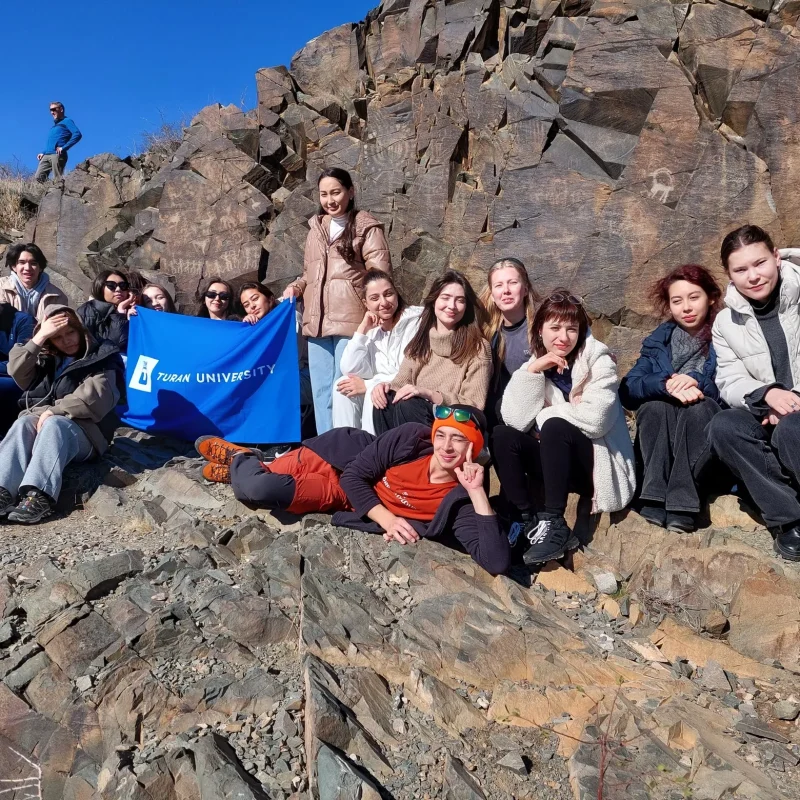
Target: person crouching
<point>71,385</point>
<point>414,481</point>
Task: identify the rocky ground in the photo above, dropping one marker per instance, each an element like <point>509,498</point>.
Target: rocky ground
<point>160,640</point>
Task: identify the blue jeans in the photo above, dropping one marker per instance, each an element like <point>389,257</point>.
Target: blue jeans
<point>324,364</point>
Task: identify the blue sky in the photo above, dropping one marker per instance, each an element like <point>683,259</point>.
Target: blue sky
<point>119,67</point>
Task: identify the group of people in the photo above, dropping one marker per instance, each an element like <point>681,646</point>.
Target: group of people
<point>414,403</point>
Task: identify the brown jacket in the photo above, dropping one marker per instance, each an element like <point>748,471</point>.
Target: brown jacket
<point>466,383</point>
<point>53,296</point>
<point>331,287</point>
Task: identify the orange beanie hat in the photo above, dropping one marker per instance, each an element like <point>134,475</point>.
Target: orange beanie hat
<point>468,429</point>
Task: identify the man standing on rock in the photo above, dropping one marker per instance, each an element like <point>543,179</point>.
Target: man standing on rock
<point>63,135</point>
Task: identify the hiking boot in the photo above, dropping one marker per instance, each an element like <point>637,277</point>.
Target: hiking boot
<point>34,507</point>
<point>218,451</point>
<point>681,523</point>
<point>217,473</point>
<point>655,515</point>
<point>787,544</point>
<point>7,502</point>
<point>550,539</point>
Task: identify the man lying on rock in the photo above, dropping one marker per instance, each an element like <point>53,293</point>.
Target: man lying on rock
<point>413,481</point>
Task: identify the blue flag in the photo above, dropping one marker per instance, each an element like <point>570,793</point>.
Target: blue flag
<point>190,376</point>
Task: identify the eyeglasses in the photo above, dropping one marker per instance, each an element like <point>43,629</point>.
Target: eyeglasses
<point>560,297</point>
<point>214,295</point>
<point>458,414</point>
<point>112,286</point>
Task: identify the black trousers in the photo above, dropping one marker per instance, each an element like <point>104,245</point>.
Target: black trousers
<point>560,460</point>
<point>765,459</point>
<point>415,409</point>
<point>675,449</point>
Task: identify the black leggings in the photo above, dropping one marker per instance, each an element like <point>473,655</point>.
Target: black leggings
<point>561,459</point>
<point>415,409</point>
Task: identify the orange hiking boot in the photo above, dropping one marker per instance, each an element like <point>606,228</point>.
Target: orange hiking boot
<point>217,450</point>
<point>218,473</point>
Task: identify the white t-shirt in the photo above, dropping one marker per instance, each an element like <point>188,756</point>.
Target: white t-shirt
<point>338,224</point>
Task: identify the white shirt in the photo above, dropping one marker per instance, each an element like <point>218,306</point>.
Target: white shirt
<point>338,224</point>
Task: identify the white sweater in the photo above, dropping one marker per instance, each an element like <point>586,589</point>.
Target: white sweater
<point>376,356</point>
<point>593,408</point>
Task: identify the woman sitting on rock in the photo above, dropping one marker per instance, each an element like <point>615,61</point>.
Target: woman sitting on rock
<point>448,361</point>
<point>256,301</point>
<point>28,287</point>
<point>216,300</point>
<point>341,246</point>
<point>71,385</point>
<point>511,303</point>
<point>671,387</point>
<point>105,315</point>
<point>757,341</point>
<point>413,482</point>
<point>157,298</point>
<point>564,428</point>
<point>375,352</point>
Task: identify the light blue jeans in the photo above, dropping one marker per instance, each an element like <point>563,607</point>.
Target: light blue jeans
<point>33,460</point>
<point>324,364</point>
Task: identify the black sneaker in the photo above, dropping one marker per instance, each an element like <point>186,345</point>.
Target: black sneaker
<point>516,533</point>
<point>35,506</point>
<point>6,502</point>
<point>655,515</point>
<point>550,539</point>
<point>787,544</point>
<point>269,454</point>
<point>681,523</point>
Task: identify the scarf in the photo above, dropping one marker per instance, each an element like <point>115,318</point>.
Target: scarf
<point>29,298</point>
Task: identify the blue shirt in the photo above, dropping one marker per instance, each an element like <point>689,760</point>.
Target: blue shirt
<point>63,134</point>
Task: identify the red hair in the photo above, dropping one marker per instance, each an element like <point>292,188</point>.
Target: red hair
<point>697,275</point>
<point>561,306</point>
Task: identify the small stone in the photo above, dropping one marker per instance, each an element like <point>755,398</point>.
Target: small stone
<point>514,762</point>
<point>756,727</point>
<point>604,580</point>
<point>84,683</point>
<point>714,622</point>
<point>786,710</point>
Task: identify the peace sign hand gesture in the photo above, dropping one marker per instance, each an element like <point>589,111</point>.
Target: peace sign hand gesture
<point>469,474</point>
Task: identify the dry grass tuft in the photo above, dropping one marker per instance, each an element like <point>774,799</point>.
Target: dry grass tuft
<point>17,184</point>
<point>164,140</point>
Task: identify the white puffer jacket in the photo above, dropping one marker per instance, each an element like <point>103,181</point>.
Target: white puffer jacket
<point>743,360</point>
<point>593,408</point>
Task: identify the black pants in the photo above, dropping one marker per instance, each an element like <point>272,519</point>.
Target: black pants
<point>415,409</point>
<point>675,450</point>
<point>251,483</point>
<point>561,459</point>
<point>765,459</point>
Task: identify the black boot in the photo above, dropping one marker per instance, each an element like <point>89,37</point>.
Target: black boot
<point>681,523</point>
<point>655,515</point>
<point>550,539</point>
<point>787,543</point>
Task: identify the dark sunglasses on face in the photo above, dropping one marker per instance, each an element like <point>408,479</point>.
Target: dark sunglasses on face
<point>214,295</point>
<point>112,286</point>
<point>458,414</point>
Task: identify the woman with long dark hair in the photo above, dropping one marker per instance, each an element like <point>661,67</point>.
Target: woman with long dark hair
<point>216,301</point>
<point>341,246</point>
<point>564,429</point>
<point>671,388</point>
<point>757,340</point>
<point>105,314</point>
<point>511,303</point>
<point>375,352</point>
<point>448,361</point>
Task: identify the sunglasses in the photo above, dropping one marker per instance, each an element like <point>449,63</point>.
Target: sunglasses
<point>214,295</point>
<point>458,414</point>
<point>112,286</point>
<point>566,298</point>
<point>53,110</point>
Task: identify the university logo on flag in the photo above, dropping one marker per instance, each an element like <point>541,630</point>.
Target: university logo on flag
<point>142,378</point>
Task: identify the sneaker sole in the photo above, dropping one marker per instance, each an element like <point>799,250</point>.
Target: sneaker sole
<point>28,520</point>
<point>572,544</point>
<point>785,556</point>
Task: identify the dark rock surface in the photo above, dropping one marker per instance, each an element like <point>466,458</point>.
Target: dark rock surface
<point>603,143</point>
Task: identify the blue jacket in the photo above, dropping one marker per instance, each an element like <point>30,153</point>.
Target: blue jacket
<point>648,377</point>
<point>16,327</point>
<point>63,134</point>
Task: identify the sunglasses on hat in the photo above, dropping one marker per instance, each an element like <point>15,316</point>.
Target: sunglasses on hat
<point>458,414</point>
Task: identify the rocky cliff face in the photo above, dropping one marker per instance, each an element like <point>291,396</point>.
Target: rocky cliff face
<point>602,142</point>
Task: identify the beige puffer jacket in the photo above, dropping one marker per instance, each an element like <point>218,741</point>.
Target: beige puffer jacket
<point>331,287</point>
<point>52,296</point>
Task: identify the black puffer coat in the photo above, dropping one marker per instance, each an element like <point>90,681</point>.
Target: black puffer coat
<point>104,322</point>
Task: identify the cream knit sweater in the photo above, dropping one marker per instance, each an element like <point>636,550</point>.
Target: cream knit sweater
<point>466,383</point>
